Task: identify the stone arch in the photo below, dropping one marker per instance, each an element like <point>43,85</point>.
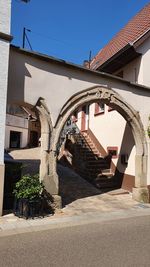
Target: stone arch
<point>46,130</point>
<point>48,156</point>
<point>113,99</point>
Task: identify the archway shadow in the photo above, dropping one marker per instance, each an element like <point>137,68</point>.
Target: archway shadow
<point>72,186</point>
<point>124,179</point>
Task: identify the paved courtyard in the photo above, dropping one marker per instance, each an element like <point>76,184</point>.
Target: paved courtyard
<point>78,196</point>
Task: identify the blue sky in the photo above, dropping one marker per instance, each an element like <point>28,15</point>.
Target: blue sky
<point>70,29</point>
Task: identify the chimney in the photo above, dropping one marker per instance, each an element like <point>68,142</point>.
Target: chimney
<point>86,64</point>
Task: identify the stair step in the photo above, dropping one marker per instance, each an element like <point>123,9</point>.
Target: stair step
<point>94,168</point>
<point>97,161</point>
<point>104,177</point>
<point>98,169</point>
<point>90,153</point>
<point>106,171</point>
<point>106,185</point>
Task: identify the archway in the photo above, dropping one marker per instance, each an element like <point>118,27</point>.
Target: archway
<point>114,100</point>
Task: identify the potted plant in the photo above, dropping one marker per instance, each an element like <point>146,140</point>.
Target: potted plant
<point>28,194</point>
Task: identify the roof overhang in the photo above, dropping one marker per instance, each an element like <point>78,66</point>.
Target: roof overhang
<point>124,56</point>
<point>120,59</point>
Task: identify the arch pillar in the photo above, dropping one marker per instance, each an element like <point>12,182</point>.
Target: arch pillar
<point>48,172</point>
<point>140,191</point>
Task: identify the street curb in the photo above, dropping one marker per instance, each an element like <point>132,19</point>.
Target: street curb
<point>48,223</point>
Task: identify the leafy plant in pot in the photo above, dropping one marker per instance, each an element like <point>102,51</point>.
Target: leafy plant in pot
<point>28,194</point>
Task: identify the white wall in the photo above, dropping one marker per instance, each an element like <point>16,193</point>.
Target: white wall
<point>145,64</point>
<point>18,124</point>
<point>31,78</point>
<point>4,55</point>
<point>133,71</point>
<point>13,120</point>
<point>79,118</point>
<point>111,129</point>
<point>5,16</point>
<point>4,51</point>
<point>139,69</point>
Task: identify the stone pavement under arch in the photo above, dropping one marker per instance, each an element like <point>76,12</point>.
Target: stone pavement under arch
<point>79,197</point>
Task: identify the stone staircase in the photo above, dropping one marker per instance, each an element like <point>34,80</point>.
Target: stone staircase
<point>90,164</point>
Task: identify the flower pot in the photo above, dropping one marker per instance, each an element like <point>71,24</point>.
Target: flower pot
<point>25,208</point>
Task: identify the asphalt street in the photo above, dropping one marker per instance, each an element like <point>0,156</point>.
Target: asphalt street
<point>122,242</point>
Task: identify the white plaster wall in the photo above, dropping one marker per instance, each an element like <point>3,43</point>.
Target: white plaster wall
<point>79,118</point>
<point>133,71</point>
<point>18,124</point>
<point>145,66</point>
<point>5,16</point>
<point>109,129</point>
<point>24,136</point>
<point>139,69</point>
<point>4,54</point>
<point>31,78</point>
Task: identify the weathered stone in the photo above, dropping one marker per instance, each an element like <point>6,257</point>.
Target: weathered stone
<point>57,203</point>
<point>140,171</point>
<point>141,194</point>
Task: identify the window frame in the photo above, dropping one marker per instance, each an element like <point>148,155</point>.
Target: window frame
<point>113,148</point>
<point>98,109</point>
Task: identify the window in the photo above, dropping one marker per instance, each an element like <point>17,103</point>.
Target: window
<point>99,108</point>
<point>113,150</point>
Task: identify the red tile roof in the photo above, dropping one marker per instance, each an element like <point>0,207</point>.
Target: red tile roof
<point>135,28</point>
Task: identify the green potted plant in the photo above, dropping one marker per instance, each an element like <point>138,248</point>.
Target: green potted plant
<point>28,194</point>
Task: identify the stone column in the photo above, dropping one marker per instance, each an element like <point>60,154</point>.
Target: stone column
<point>44,165</point>
<point>140,191</point>
<point>53,176</point>
<point>48,173</point>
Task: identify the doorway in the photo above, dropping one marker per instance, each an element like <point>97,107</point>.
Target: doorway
<point>34,140</point>
<point>15,138</point>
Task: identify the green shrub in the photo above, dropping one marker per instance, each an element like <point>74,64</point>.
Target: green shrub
<point>28,187</point>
